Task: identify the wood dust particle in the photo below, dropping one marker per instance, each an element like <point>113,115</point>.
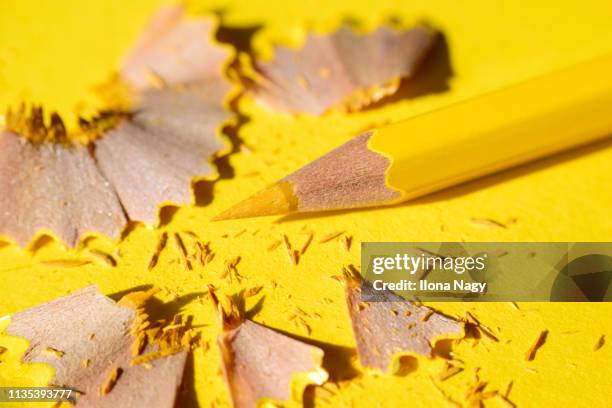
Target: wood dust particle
<point>274,245</point>
<point>294,255</point>
<point>240,233</point>
<point>253,291</point>
<point>286,242</point>
<point>65,263</point>
<point>91,337</point>
<point>448,371</point>
<point>347,242</point>
<point>330,237</point>
<point>539,342</point>
<point>508,389</point>
<point>600,342</point>
<point>427,315</point>
<point>180,245</point>
<point>307,243</point>
<point>488,222</point>
<point>2,350</point>
<point>50,351</point>
<point>161,244</point>
<point>111,381</point>
<point>86,363</point>
<point>103,257</point>
<point>231,271</point>
<point>138,344</point>
<point>203,253</point>
<point>515,306</point>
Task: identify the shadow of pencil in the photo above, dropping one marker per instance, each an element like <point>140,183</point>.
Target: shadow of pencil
<point>469,187</point>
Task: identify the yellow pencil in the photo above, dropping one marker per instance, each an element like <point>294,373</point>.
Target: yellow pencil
<point>448,146</point>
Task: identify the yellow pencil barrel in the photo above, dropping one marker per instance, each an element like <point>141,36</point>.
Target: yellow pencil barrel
<point>498,130</point>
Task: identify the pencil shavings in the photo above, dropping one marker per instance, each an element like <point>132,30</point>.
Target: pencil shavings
<point>344,70</point>
<point>152,158</point>
<point>93,335</point>
<point>133,161</point>
<point>391,326</point>
<point>55,187</point>
<point>262,364</point>
<point>175,50</point>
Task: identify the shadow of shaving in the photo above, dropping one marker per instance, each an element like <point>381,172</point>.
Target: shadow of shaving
<point>431,77</point>
<point>186,396</point>
<point>155,308</point>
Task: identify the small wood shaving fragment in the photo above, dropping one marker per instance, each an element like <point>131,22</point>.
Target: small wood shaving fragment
<point>231,271</point>
<point>427,315</point>
<point>488,222</point>
<point>295,257</point>
<point>86,363</point>
<point>307,243</point>
<point>65,263</point>
<point>161,244</point>
<point>600,342</point>
<point>253,291</point>
<point>2,350</point>
<point>330,237</point>
<point>240,233</point>
<point>91,336</point>
<point>146,358</point>
<point>347,241</point>
<point>274,245</point>
<point>448,371</point>
<point>103,257</point>
<point>515,305</point>
<point>138,344</point>
<point>182,251</point>
<point>111,381</point>
<point>50,351</point>
<point>286,242</point>
<point>539,342</point>
<point>508,388</point>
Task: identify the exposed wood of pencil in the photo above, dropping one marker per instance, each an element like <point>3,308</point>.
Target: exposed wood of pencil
<point>347,177</point>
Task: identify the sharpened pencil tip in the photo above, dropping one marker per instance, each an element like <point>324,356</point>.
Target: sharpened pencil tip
<point>277,199</point>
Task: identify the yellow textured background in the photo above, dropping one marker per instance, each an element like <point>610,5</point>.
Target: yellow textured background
<point>55,52</point>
